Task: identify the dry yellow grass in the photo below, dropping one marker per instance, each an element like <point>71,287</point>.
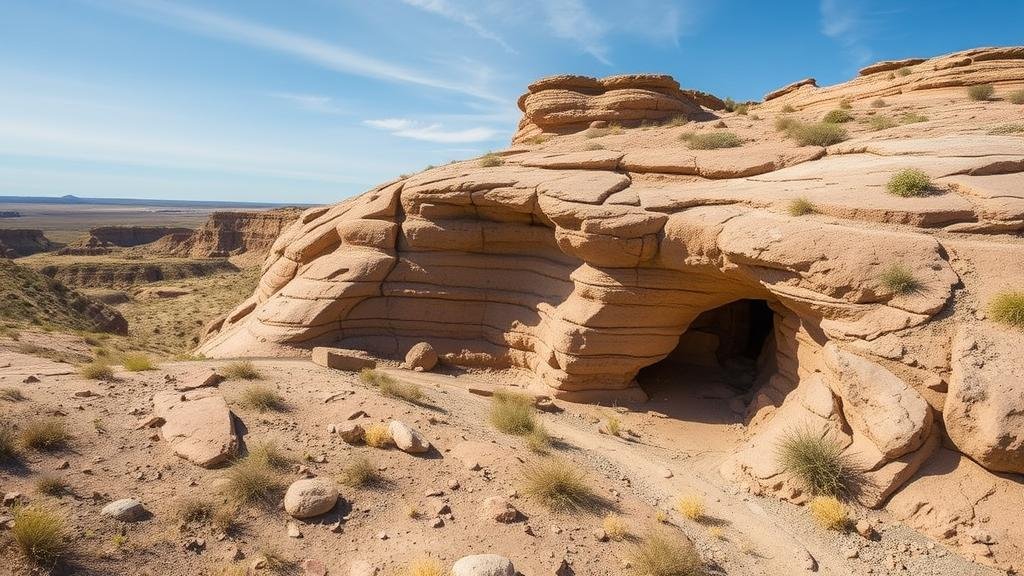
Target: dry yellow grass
<point>425,566</point>
<point>138,362</point>
<point>97,370</point>
<point>45,434</point>
<point>378,436</point>
<point>40,535</point>
<point>829,513</point>
<point>691,506</point>
<point>615,527</point>
<point>241,370</point>
<point>262,398</point>
<point>360,472</point>
<point>661,553</point>
<point>559,485</point>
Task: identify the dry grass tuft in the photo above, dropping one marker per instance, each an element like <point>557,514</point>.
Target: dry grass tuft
<point>1007,129</point>
<point>490,160</point>
<point>661,553</point>
<point>830,513</point>
<point>252,480</point>
<point>270,455</point>
<point>899,279</point>
<point>559,485</point>
<point>712,140</point>
<point>1015,97</point>
<point>909,183</point>
<point>538,440</point>
<point>800,207</point>
<point>391,387</point>
<point>785,123</point>
<point>913,118</point>
<point>225,518</point>
<point>881,122</point>
<point>837,117</point>
<point>788,109</point>
<point>137,362</point>
<point>878,103</point>
<point>262,398</point>
<point>52,486</point>
<point>817,461</point>
<point>820,134</point>
<point>615,527</point>
<point>905,71</point>
<point>97,370</point>
<point>1008,308</point>
<point>360,472</point>
<point>8,443</point>
<point>11,394</point>
<point>512,413</point>
<point>591,146</point>
<point>241,370</point>
<point>378,436</point>
<point>980,92</point>
<point>425,566</point>
<point>40,535</point>
<point>45,434</point>
<point>192,509</point>
<point>691,506</point>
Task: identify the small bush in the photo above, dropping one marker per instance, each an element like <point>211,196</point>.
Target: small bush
<point>45,434</point>
<point>881,123</point>
<point>11,394</point>
<point>262,398</point>
<point>613,426</point>
<point>425,566</point>
<point>1016,97</point>
<point>8,444</point>
<point>785,123</point>
<point>512,413</point>
<point>615,527</point>
<point>908,183</point>
<point>904,71</point>
<point>137,363</point>
<point>714,140</point>
<point>252,481</point>
<point>538,139</point>
<point>491,160</point>
<point>51,486</point>
<point>591,146</point>
<point>980,92</point>
<point>241,370</point>
<point>40,535</point>
<point>800,207</point>
<point>912,118</point>
<point>389,386</point>
<point>691,506</point>
<point>816,461</point>
<point>225,518</point>
<point>730,104</point>
<point>538,439</point>
<point>845,104</point>
<point>559,485</point>
<point>663,554</point>
<point>879,103</point>
<point>788,109</point>
<point>1008,308</point>
<point>360,473</point>
<point>837,117</point>
<point>742,109</point>
<point>192,510</point>
<point>1007,129</point>
<point>821,134</point>
<point>898,279</point>
<point>830,513</point>
<point>268,454</point>
<point>378,436</point>
<point>97,370</point>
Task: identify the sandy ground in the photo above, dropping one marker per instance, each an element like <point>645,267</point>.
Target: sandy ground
<point>109,459</point>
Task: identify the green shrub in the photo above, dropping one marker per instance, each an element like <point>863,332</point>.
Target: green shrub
<point>137,363</point>
<point>262,398</point>
<point>45,434</point>
<point>899,279</point>
<point>908,183</point>
<point>661,553</point>
<point>821,134</point>
<point>730,104</point>
<point>800,207</point>
<point>837,117</point>
<point>1016,97</point>
<point>391,387</point>
<point>980,92</point>
<point>816,461</point>
<point>878,103</point>
<point>904,71</point>
<point>881,122</point>
<point>1008,308</point>
<point>512,413</point>
<point>97,370</point>
<point>40,535</point>
<point>559,485</point>
<point>241,370</point>
<point>714,140</point>
<point>491,160</point>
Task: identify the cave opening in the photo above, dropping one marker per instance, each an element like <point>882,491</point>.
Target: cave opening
<point>724,354</point>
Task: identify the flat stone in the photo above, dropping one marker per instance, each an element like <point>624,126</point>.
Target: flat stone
<point>126,510</point>
<point>342,359</point>
<point>200,429</point>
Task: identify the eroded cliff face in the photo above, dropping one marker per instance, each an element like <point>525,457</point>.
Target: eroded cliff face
<point>586,255</point>
<point>105,239</point>
<point>230,234</point>
<point>18,242</point>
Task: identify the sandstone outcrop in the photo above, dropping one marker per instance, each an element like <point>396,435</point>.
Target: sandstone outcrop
<point>230,234</point>
<point>105,239</point>
<point>18,242</point>
<point>583,265</point>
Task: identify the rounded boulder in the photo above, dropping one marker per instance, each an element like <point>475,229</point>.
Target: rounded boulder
<point>310,497</point>
<point>483,565</point>
<point>421,357</point>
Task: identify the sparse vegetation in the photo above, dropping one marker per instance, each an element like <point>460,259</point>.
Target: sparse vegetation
<point>591,146</point>
<point>1016,97</point>
<point>820,134</point>
<point>815,460</point>
<point>881,122</point>
<point>425,566</point>
<point>390,386</point>
<point>663,554</point>
<point>559,485</point>
<point>137,362</point>
<point>785,123</point>
<point>241,370</point>
<point>879,103</point>
<point>45,434</point>
<point>360,473</point>
<point>980,92</point>
<point>741,109</point>
<point>898,279</point>
<point>615,527</point>
<point>613,425</point>
<point>711,140</point>
<point>51,485</point>
<point>40,535</point>
<point>490,160</point>
<point>270,455</point>
<point>512,413</point>
<point>262,398</point>
<point>252,480</point>
<point>225,518</point>
<point>378,435</point>
<point>1007,129</point>
<point>97,370</point>
<point>192,509</point>
<point>829,512</point>
<point>908,183</point>
<point>538,139</point>
<point>691,506</point>
<point>1008,308</point>
<point>538,439</point>
<point>11,394</point>
<point>8,444</point>
<point>837,116</point>
<point>787,109</point>
<point>845,104</point>
<point>912,118</point>
<point>904,71</point>
<point>800,207</point>
<point>730,104</point>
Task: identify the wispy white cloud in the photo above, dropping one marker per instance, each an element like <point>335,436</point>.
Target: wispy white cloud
<point>574,20</point>
<point>447,9</point>
<point>844,22</point>
<point>321,53</point>
<point>311,102</point>
<point>405,128</point>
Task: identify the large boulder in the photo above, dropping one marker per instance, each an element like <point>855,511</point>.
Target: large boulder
<point>483,565</point>
<point>422,357</point>
<point>407,439</point>
<point>984,411</point>
<point>198,426</point>
<point>310,497</point>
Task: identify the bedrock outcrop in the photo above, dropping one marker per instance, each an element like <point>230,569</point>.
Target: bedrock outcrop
<point>18,242</point>
<point>584,257</point>
<point>227,233</point>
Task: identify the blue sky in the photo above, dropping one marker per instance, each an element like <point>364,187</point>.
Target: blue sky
<point>315,100</point>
